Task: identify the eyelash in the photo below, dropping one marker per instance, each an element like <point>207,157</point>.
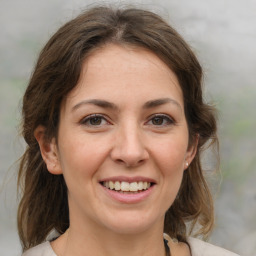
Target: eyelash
<point>166,120</point>
<point>91,117</point>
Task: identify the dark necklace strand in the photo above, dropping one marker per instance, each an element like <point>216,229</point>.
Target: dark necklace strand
<point>167,248</point>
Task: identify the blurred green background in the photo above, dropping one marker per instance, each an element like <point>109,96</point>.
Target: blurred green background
<point>222,34</point>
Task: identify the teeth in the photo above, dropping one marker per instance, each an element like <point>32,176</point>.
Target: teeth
<point>111,184</point>
<point>124,186</point>
<point>140,185</point>
<point>117,185</point>
<point>134,186</point>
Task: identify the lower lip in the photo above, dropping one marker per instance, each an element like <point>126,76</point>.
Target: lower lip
<point>131,198</point>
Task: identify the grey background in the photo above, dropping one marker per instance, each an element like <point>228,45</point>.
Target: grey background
<point>223,35</point>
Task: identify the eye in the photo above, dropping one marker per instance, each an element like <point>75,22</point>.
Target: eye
<point>94,120</point>
<point>161,120</point>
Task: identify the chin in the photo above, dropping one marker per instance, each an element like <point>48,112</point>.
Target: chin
<point>132,223</point>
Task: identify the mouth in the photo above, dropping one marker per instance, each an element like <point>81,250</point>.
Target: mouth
<point>127,187</point>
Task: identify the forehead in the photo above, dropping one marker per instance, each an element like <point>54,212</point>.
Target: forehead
<point>113,70</point>
<point>127,58</point>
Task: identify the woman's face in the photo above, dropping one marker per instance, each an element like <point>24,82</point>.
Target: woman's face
<point>123,141</point>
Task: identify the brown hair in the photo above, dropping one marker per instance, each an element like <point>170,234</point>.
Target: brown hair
<point>44,204</point>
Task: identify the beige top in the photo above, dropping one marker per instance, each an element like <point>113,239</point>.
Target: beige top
<point>198,248</point>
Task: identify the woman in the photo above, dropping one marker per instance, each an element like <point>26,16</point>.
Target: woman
<point>115,125</point>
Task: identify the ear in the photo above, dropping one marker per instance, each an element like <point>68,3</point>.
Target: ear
<point>191,152</point>
<point>49,151</point>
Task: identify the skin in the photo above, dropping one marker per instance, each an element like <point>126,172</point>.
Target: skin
<point>140,131</point>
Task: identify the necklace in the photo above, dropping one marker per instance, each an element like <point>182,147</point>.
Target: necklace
<point>167,248</point>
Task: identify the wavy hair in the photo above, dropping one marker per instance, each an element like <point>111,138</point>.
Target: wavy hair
<point>44,205</point>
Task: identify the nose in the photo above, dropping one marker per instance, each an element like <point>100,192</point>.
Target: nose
<point>129,148</point>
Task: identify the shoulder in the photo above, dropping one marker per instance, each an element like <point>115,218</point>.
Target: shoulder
<point>43,249</point>
<point>201,248</point>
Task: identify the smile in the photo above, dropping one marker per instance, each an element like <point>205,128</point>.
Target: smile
<point>124,186</point>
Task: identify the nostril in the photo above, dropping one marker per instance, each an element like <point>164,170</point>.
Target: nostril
<point>120,161</point>
<point>130,163</point>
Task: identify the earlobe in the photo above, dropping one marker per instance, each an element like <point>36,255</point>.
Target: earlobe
<point>48,150</point>
<point>191,152</point>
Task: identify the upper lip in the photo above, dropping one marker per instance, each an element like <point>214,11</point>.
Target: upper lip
<point>129,179</point>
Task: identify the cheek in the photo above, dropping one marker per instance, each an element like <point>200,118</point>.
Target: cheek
<point>171,155</point>
<point>170,160</point>
<point>80,159</point>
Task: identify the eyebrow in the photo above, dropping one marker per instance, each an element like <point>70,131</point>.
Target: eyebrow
<point>109,105</point>
<point>97,102</point>
<point>159,102</point>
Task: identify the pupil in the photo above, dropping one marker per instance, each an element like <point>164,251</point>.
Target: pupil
<point>95,120</point>
<point>157,120</point>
